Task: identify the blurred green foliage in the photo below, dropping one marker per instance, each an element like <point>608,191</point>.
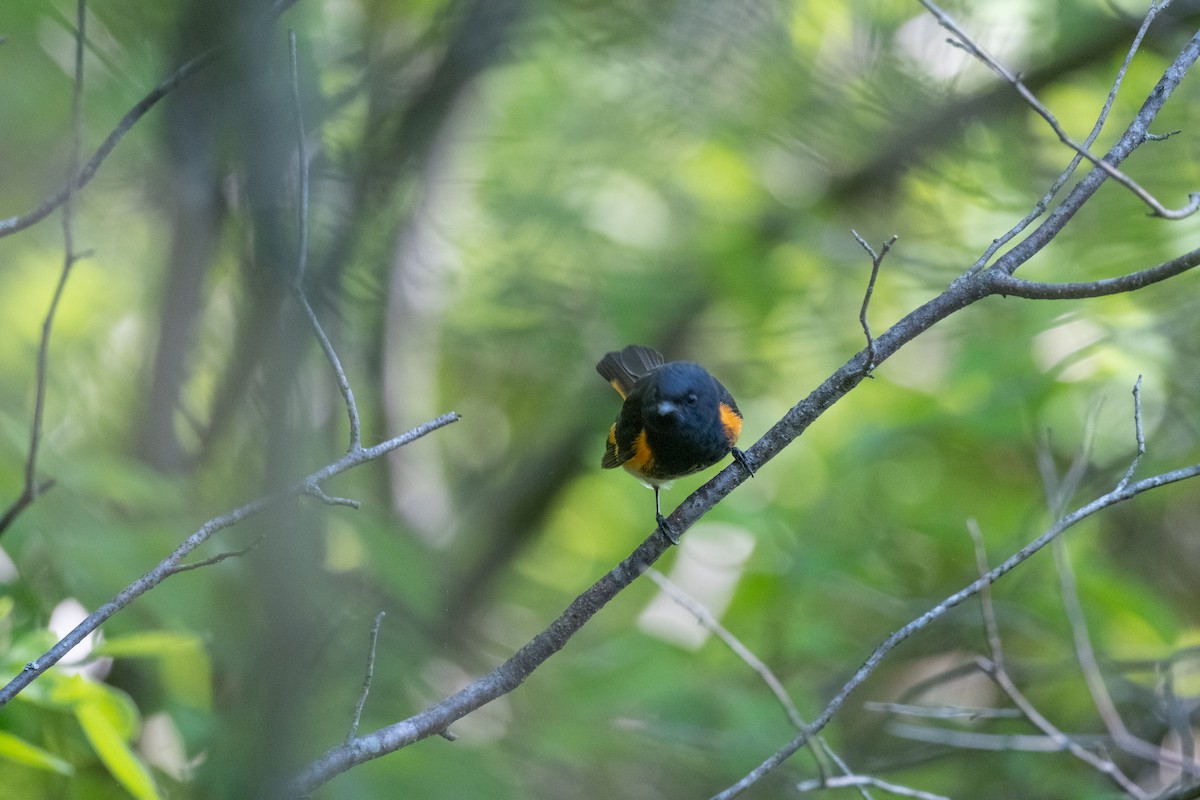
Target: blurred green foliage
<point>501,192</point>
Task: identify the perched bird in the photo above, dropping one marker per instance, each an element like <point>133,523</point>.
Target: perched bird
<point>676,419</point>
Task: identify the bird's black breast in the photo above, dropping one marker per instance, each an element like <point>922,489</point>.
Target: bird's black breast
<point>691,436</point>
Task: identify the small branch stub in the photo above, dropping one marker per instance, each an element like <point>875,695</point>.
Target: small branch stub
<point>368,676</point>
<point>876,260</point>
<point>1138,433</point>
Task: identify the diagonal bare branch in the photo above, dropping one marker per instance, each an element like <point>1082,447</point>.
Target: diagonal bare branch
<point>170,565</point>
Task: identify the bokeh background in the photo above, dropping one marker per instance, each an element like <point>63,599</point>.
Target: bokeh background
<point>501,192</point>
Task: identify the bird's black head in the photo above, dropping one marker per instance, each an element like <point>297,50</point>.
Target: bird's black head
<point>679,394</point>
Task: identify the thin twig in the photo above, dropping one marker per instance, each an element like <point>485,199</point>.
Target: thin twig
<point>862,781</point>
<point>976,740</point>
<point>1186,792</point>
<point>711,623</point>
<point>302,261</point>
<point>1085,654</point>
<point>28,495</point>
<point>343,384</point>
<point>965,42</point>
<point>1006,285</point>
<point>69,256</point>
<point>217,559</point>
<point>1177,715</point>
<point>1102,765</point>
<point>1060,490</point>
<point>302,163</point>
<point>1138,433</point>
<point>708,621</point>
<point>68,215</point>
<point>985,596</point>
<point>941,712</point>
<point>876,260</point>
<point>1191,653</point>
<point>1057,492</point>
<point>368,676</point>
<point>316,491</point>
<point>339,373</point>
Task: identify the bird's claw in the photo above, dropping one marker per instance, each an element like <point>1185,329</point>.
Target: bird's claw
<point>666,529</point>
<point>740,457</point>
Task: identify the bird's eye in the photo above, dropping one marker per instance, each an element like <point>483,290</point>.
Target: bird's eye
<point>691,398</point>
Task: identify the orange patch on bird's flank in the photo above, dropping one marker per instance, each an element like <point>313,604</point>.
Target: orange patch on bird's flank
<point>616,384</point>
<point>642,460</point>
<point>732,423</point>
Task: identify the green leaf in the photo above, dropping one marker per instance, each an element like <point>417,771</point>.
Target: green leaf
<point>152,644</point>
<point>184,663</point>
<point>105,731</point>
<point>17,750</point>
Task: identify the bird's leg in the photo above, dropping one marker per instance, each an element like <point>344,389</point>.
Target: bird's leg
<point>663,525</point>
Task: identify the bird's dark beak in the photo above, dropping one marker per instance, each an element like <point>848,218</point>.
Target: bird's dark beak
<point>667,409</point>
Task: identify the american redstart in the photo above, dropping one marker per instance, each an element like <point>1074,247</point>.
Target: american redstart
<point>676,419</point>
